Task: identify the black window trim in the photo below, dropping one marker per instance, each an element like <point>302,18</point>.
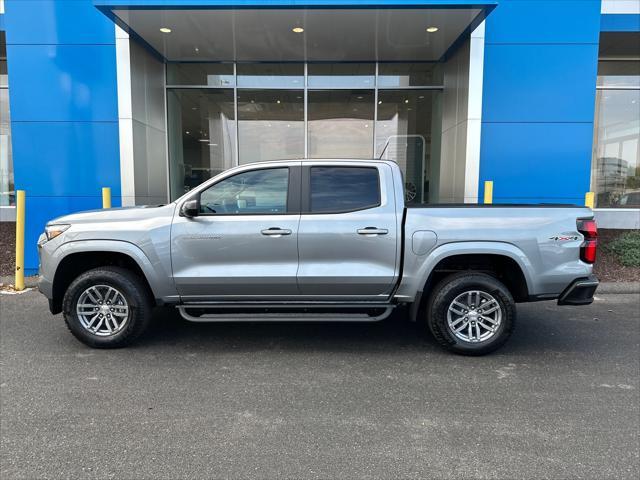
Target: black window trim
<point>293,193</point>
<point>306,189</point>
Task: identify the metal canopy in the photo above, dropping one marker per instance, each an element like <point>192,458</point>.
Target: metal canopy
<point>389,33</point>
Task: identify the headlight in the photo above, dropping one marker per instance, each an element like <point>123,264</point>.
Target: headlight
<point>52,231</point>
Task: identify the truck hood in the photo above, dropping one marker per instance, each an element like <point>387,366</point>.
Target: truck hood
<point>113,215</point>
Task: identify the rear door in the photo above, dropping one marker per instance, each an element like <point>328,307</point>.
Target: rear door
<point>348,234</point>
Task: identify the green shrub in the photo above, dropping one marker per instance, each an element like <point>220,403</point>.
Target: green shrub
<point>627,248</point>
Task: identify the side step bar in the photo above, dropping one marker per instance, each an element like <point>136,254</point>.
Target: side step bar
<point>302,315</point>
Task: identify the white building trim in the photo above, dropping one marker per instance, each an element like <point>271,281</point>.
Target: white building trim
<point>611,7</point>
<point>474,115</point>
<point>125,118</point>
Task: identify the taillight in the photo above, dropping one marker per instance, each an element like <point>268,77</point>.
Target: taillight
<point>588,228</point>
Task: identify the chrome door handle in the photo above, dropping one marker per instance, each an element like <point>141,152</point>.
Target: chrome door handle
<point>275,232</point>
<point>372,231</point>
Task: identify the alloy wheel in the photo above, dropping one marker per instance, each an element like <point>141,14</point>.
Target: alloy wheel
<point>474,316</point>
<point>102,310</point>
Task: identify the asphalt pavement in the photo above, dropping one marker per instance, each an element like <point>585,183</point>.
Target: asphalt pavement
<point>560,400</point>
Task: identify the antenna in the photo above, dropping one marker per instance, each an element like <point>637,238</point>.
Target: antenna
<point>384,150</point>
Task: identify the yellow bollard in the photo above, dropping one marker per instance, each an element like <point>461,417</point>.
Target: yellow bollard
<point>20,201</point>
<point>488,192</point>
<point>590,200</point>
<point>106,197</point>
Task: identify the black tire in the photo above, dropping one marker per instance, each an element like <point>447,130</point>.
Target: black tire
<point>130,286</point>
<point>448,290</point>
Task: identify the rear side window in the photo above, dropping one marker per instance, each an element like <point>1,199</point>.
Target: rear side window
<point>344,189</point>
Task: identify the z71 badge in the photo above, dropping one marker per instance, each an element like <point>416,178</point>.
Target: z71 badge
<point>564,238</point>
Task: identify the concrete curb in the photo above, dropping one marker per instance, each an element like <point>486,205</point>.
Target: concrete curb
<point>618,287</point>
<point>29,282</point>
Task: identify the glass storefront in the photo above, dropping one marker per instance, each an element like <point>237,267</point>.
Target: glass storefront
<point>7,193</point>
<point>202,136</point>
<point>221,115</point>
<point>271,125</point>
<point>341,123</point>
<point>342,75</point>
<point>615,169</point>
<point>406,120</point>
<point>270,75</point>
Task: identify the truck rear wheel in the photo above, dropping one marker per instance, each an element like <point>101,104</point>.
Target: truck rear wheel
<point>471,313</point>
<point>107,307</point>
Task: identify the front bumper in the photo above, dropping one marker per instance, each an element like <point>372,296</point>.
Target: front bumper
<point>45,285</point>
<point>580,292</point>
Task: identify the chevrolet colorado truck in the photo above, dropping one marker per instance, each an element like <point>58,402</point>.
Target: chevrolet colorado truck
<point>315,240</point>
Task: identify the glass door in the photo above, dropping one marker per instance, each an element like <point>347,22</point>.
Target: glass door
<point>404,126</point>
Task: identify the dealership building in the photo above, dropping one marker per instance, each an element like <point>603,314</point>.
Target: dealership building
<point>152,97</point>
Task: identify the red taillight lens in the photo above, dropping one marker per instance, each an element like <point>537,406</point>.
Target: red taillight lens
<point>589,229</point>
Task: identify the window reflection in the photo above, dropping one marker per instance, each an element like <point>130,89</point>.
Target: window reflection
<point>264,75</point>
<point>212,74</point>
<point>409,74</point>
<point>248,193</point>
<point>202,136</point>
<point>616,169</point>
<point>204,132</point>
<point>406,119</point>
<point>612,73</point>
<point>7,191</point>
<point>341,123</point>
<point>341,75</point>
<point>271,125</point>
<point>344,189</point>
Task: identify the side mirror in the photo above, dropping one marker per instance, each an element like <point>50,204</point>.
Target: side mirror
<point>191,208</point>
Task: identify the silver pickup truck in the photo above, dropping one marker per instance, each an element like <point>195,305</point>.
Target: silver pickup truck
<point>315,240</point>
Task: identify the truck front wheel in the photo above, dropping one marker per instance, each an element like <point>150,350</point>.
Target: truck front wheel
<point>471,313</point>
<point>107,307</point>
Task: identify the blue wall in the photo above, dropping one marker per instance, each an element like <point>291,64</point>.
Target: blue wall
<point>539,98</point>
<point>64,109</point>
<point>538,101</point>
<point>620,23</point>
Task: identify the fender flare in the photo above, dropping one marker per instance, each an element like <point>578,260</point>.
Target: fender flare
<point>116,246</point>
<point>447,250</point>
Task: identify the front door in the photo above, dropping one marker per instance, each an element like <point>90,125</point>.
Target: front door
<point>349,234</point>
<point>243,243</point>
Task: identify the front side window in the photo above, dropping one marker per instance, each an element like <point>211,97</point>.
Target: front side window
<point>257,192</point>
<point>344,189</point>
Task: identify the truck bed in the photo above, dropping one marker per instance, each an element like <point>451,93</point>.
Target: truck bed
<point>542,239</point>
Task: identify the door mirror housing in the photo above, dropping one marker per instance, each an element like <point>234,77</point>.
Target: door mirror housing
<point>191,208</point>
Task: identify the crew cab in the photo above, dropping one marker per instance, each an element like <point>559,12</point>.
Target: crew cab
<point>315,240</point>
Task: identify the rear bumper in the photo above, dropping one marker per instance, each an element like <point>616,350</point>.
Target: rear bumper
<point>580,292</point>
